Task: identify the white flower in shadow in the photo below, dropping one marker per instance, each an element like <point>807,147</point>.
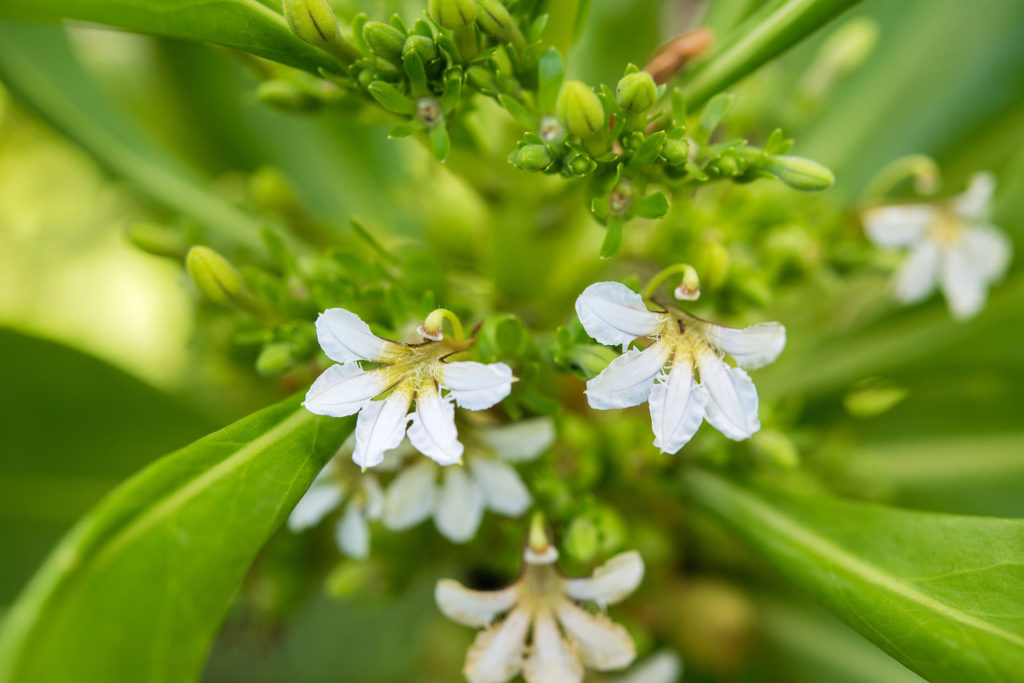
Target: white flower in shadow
<point>328,492</point>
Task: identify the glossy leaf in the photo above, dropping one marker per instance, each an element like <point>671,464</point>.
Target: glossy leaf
<point>940,593</point>
<point>162,555</point>
<point>241,24</point>
<point>768,33</point>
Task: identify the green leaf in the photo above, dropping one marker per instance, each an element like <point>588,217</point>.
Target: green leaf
<point>612,238</point>
<point>391,98</point>
<point>654,205</point>
<point>161,557</point>
<point>406,128</point>
<point>518,111</point>
<point>551,73</point>
<point>37,64</point>
<point>241,24</point>
<point>441,143</point>
<point>940,593</point>
<point>712,115</point>
<point>766,34</point>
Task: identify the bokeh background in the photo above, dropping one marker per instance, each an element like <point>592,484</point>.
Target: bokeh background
<point>102,369</point>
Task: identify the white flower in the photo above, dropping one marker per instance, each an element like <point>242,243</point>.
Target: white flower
<point>663,666</point>
<point>952,245</point>
<point>487,481</point>
<point>564,637</point>
<point>681,373</point>
<point>407,371</point>
<point>327,492</point>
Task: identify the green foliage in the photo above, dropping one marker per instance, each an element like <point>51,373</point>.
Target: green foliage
<point>161,557</point>
<point>906,580</point>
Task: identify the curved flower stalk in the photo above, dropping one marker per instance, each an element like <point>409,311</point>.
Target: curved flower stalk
<point>327,493</point>
<point>681,373</point>
<point>541,604</point>
<point>951,244</point>
<point>406,372</point>
<point>487,482</point>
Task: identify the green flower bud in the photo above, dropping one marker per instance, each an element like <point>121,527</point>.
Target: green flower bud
<point>675,151</point>
<point>581,540</point>
<point>452,14</point>
<point>713,261</point>
<point>482,78</point>
<point>532,157</point>
<point>275,358</point>
<point>214,275</point>
<point>591,359</point>
<point>776,448</point>
<point>579,109</point>
<point>636,92</point>
<point>494,20</point>
<point>157,240</point>
<point>800,173</point>
<point>348,578</point>
<point>314,22</point>
<point>579,164</point>
<point>385,40</point>
<point>727,165</point>
<point>286,96</point>
<point>424,47</point>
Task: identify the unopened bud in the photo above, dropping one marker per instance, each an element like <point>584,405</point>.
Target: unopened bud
<point>776,448</point>
<point>275,358</point>
<point>714,261</point>
<point>676,151</point>
<point>481,78</point>
<point>636,92</point>
<point>384,40</point>
<point>800,173</point>
<point>424,47</point>
<point>271,190</point>
<point>452,14</point>
<point>157,240</point>
<point>214,275</point>
<point>579,164</point>
<point>313,21</point>
<point>494,20</point>
<point>579,109</point>
<point>591,359</point>
<point>581,540</point>
<point>532,157</point>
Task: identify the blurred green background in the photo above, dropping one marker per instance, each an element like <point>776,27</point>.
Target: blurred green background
<point>102,370</point>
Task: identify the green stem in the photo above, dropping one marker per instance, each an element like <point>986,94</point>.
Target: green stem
<point>689,273</point>
<point>766,34</point>
<point>436,319</point>
<point>922,169</point>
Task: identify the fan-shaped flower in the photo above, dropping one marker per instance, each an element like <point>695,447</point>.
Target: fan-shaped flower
<point>951,244</point>
<point>406,372</point>
<point>541,604</point>
<point>681,373</point>
<point>327,493</point>
<point>487,482</point>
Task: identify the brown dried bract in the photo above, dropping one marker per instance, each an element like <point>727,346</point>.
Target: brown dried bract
<point>672,56</point>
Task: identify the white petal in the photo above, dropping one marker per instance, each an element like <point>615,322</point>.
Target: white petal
<point>503,490</point>
<point>380,427</point>
<point>497,653</point>
<point>519,441</point>
<point>612,313</point>
<point>661,667</point>
<point>602,644</point>
<point>963,286</point>
<point>345,337</point>
<point>611,582</point>
<point>352,532</point>
<point>898,226</point>
<point>628,380</point>
<point>322,497</point>
<point>343,390</point>
<point>373,497</point>
<point>916,278</point>
<point>752,347</point>
<point>732,404</point>
<point>460,506</point>
<point>677,407</point>
<point>473,608</point>
<point>432,431</point>
<point>975,204</point>
<point>411,496</point>
<point>551,659</point>
<point>989,249</point>
<point>476,386</point>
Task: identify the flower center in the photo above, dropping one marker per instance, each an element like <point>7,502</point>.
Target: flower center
<point>415,365</point>
<point>947,229</point>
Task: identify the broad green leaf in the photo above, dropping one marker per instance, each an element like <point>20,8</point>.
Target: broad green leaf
<point>767,33</point>
<point>112,424</point>
<point>162,555</point>
<point>241,24</point>
<point>940,593</point>
<point>37,64</point>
